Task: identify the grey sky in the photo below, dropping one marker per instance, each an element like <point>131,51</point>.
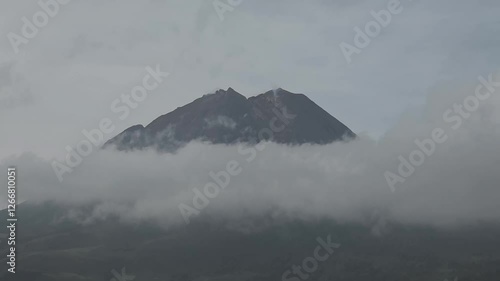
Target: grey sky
<point>430,55</point>
<point>90,52</point>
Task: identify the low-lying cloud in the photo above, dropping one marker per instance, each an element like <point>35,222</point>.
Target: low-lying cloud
<point>457,184</point>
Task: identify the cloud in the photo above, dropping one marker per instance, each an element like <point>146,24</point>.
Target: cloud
<point>456,185</point>
<point>92,51</point>
<point>220,121</point>
<point>13,90</point>
<point>95,50</point>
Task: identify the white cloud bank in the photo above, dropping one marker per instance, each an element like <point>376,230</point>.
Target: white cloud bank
<point>458,184</point>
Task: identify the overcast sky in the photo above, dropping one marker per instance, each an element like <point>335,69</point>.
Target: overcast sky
<point>65,78</point>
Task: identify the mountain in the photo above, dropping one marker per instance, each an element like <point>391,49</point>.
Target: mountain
<point>228,117</point>
<point>60,241</point>
<point>53,247</point>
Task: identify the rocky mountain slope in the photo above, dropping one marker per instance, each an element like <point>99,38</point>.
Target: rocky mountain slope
<point>228,117</point>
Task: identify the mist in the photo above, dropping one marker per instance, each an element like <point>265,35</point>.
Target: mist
<point>456,185</point>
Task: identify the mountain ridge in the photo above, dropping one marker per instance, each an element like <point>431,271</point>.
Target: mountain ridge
<point>228,117</point>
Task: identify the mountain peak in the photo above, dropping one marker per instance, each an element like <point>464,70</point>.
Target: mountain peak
<point>279,92</point>
<point>221,94</point>
<point>229,92</point>
<point>228,117</point>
